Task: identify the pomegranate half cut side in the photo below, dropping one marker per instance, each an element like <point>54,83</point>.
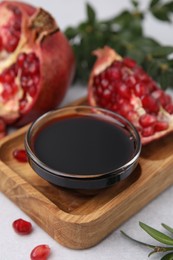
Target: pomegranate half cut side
<point>36,63</point>
<point>120,85</point>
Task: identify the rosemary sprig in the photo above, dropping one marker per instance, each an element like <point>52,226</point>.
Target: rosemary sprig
<point>160,237</point>
<point>124,32</point>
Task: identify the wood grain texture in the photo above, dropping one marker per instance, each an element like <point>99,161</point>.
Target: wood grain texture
<point>73,218</point>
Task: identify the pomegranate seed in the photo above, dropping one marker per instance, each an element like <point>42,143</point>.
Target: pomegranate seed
<point>12,43</point>
<point>150,104</point>
<point>16,26</point>
<point>157,94</point>
<point>169,108</point>
<point>165,100</point>
<point>129,62</point>
<point>10,33</point>
<point>160,126</point>
<point>7,76</point>
<point>147,120</point>
<point>31,57</point>
<point>20,155</point>
<point>125,107</point>
<point>147,131</point>
<point>32,91</point>
<point>35,79</point>
<point>22,227</point>
<point>7,91</point>
<point>33,67</point>
<point>22,104</point>
<point>132,116</point>
<point>113,74</point>
<point>104,83</point>
<point>124,91</point>
<point>106,94</point>
<point>15,10</point>
<point>40,252</point>
<point>20,60</point>
<point>130,81</point>
<point>140,90</point>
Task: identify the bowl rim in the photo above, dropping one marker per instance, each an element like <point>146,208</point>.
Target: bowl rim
<point>117,171</point>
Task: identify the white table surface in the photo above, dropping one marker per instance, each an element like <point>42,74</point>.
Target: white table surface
<point>115,246</point>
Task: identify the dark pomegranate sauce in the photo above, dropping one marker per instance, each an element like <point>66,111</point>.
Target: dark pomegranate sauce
<point>83,145</point>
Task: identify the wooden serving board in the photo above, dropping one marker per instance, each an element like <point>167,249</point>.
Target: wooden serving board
<point>78,220</point>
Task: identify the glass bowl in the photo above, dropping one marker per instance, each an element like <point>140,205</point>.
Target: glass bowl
<point>42,154</point>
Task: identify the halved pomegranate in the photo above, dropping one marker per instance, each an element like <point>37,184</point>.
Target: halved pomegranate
<point>36,63</point>
<point>120,85</point>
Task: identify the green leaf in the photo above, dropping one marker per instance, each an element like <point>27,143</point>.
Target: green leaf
<point>137,241</point>
<point>71,32</point>
<point>135,3</point>
<point>169,6</point>
<point>90,14</point>
<point>161,51</point>
<point>156,249</point>
<point>159,236</point>
<point>162,13</point>
<point>167,228</point>
<point>153,3</point>
<point>168,256</point>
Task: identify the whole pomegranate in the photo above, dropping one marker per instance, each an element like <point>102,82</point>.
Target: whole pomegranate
<point>120,85</point>
<point>36,63</point>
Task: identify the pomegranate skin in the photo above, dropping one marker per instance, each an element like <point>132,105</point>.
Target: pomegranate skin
<point>56,65</point>
<point>120,85</point>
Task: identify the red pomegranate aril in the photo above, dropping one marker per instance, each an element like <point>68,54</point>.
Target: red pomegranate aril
<point>13,42</point>
<point>147,120</point>
<point>8,76</point>
<point>124,108</point>
<point>129,62</point>
<point>7,92</point>
<point>33,68</point>
<point>20,60</point>
<point>148,131</point>
<point>20,155</point>
<point>130,81</point>
<point>132,116</point>
<point>123,90</point>
<point>22,104</point>
<point>32,90</point>
<point>106,94</point>
<point>24,81</point>
<point>113,74</point>
<point>161,126</point>
<point>150,104</point>
<point>165,100</point>
<point>169,108</point>
<point>40,252</point>
<point>10,33</point>
<point>22,227</point>
<point>140,89</point>
<point>31,57</point>
<point>157,94</point>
